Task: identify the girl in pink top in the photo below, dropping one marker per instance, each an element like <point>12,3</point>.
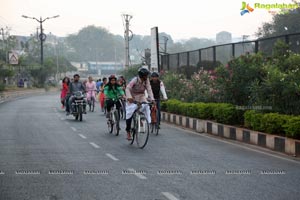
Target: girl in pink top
<point>90,87</point>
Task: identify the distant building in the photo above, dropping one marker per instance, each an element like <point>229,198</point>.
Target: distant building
<point>105,68</point>
<point>223,37</point>
<point>81,67</point>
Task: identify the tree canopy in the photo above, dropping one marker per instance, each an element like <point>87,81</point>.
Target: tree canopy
<point>281,24</point>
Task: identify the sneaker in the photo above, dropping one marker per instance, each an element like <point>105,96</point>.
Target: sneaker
<point>68,113</point>
<point>129,136</point>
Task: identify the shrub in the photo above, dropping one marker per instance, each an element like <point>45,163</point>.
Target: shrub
<point>173,105</point>
<point>292,127</point>
<point>206,110</point>
<point>253,120</point>
<point>2,87</point>
<point>163,105</point>
<point>227,114</point>
<point>273,123</point>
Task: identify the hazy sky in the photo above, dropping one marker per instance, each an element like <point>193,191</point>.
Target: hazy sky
<point>181,19</point>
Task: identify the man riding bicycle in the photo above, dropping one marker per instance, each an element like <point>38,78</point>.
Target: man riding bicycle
<point>135,91</point>
<point>112,92</point>
<point>157,87</point>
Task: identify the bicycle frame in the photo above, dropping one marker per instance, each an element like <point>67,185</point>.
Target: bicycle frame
<point>114,119</point>
<point>139,118</point>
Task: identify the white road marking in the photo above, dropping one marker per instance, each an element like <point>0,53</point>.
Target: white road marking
<point>74,129</point>
<point>169,196</point>
<point>139,175</point>
<point>94,145</point>
<point>82,136</point>
<point>112,157</point>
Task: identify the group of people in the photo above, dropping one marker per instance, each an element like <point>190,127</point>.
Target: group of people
<point>140,89</point>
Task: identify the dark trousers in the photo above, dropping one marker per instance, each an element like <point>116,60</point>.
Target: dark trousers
<point>110,103</point>
<point>67,103</point>
<point>128,124</point>
<point>158,110</point>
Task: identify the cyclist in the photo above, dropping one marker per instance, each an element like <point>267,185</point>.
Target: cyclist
<point>102,96</point>
<point>90,86</point>
<point>135,91</point>
<point>112,92</point>
<point>122,82</point>
<point>157,87</point>
<point>98,85</point>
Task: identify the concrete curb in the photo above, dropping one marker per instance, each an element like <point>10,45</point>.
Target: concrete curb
<point>11,95</point>
<point>285,145</point>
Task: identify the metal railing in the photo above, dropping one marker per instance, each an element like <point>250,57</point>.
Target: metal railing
<point>213,56</point>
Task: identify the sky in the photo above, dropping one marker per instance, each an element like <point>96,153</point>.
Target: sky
<point>178,18</point>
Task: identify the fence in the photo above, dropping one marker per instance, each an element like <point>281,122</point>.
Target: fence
<point>211,57</point>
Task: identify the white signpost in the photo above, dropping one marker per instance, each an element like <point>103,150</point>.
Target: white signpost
<point>13,58</point>
<point>154,49</point>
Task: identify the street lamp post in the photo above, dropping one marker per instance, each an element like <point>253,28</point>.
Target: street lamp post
<point>42,36</point>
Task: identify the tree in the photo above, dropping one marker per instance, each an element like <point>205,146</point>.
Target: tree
<point>281,24</point>
<point>95,44</point>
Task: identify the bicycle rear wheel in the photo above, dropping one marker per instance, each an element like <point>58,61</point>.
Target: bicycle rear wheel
<point>110,123</point>
<point>154,128</point>
<point>142,132</point>
<point>116,122</point>
<point>93,104</point>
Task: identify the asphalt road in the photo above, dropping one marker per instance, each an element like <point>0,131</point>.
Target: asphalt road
<point>46,155</point>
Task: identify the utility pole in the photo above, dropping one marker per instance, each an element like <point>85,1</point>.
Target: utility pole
<point>42,36</point>
<point>127,19</point>
<point>244,39</point>
<point>165,43</point>
<point>4,45</point>
<point>2,33</point>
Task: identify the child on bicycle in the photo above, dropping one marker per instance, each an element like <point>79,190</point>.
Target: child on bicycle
<point>135,91</point>
<point>112,92</point>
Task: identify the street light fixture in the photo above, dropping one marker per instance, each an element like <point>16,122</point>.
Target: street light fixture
<point>42,36</point>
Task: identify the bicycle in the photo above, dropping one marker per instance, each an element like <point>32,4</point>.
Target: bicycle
<point>113,121</point>
<point>91,101</point>
<point>139,126</point>
<point>123,110</point>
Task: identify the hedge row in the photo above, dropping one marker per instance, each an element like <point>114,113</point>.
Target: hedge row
<point>221,112</point>
<point>224,113</point>
<point>273,123</point>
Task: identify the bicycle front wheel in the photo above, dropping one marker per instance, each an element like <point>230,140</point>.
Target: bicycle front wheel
<point>142,132</point>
